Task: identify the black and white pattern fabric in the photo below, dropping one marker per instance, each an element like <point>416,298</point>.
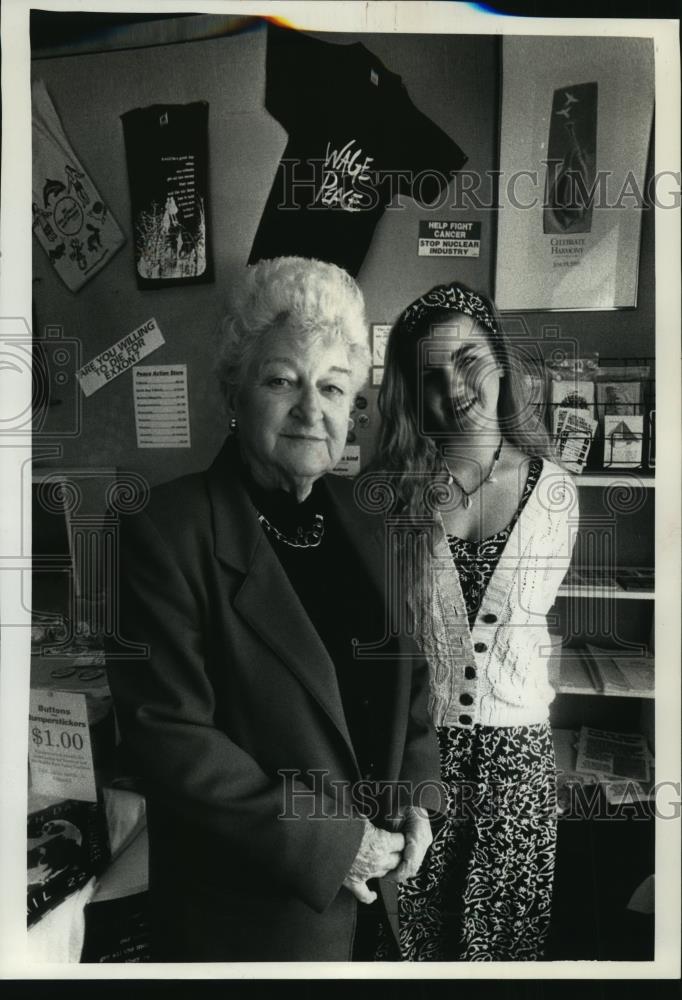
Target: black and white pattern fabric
<point>476,560</point>
<point>484,891</point>
<point>451,297</point>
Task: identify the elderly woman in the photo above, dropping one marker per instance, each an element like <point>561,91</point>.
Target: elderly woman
<point>265,741</point>
<point>473,471</point>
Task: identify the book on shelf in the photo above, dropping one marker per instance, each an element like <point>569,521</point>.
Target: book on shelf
<point>67,843</point>
<point>624,371</point>
<point>610,753</point>
<point>601,579</point>
<point>619,398</point>
<point>574,578</point>
<point>636,579</point>
<point>623,439</point>
<point>573,393</point>
<point>609,756</point>
<point>117,930</point>
<point>618,673</point>
<point>573,432</point>
<point>569,673</point>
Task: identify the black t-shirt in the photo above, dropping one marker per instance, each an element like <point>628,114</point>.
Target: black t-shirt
<point>355,140</point>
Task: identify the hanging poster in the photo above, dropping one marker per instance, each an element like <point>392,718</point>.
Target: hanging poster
<point>572,171</point>
<point>167,154</point>
<point>70,220</point>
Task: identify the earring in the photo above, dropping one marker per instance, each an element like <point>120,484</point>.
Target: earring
<point>233,425</point>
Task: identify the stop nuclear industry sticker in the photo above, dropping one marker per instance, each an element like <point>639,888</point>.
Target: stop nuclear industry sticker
<point>449,239</point>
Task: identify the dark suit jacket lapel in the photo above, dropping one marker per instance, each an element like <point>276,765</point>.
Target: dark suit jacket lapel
<point>364,531</point>
<point>266,599</point>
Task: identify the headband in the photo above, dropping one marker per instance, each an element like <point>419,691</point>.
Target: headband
<point>454,298</point>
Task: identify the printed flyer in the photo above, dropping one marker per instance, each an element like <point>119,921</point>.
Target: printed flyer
<point>161,406</point>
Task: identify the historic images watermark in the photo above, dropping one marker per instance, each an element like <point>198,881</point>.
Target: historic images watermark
<point>351,185</point>
<point>313,794</point>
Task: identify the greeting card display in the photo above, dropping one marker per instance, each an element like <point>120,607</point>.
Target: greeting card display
<point>573,392</point>
<point>167,154</point>
<point>619,397</point>
<point>573,433</point>
<point>623,436</point>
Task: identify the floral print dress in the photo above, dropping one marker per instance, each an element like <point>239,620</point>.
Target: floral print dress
<point>484,891</point>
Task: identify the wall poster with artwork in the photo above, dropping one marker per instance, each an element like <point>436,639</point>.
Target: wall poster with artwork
<point>573,170</point>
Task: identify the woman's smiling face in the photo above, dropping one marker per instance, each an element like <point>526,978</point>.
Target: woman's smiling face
<point>460,378</point>
<point>292,409</point>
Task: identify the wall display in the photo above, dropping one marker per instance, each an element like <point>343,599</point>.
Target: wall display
<point>623,436</point>
<point>161,406</point>
<point>120,357</point>
<point>355,140</point>
<point>618,397</point>
<point>575,393</point>
<point>449,239</point>
<point>70,219</point>
<point>573,433</point>
<point>380,335</point>
<point>59,748</point>
<point>167,154</point>
<point>572,171</point>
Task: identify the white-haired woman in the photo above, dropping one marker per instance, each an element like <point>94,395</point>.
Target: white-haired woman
<point>253,720</point>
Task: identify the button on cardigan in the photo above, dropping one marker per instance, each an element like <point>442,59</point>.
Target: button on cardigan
<point>498,667</point>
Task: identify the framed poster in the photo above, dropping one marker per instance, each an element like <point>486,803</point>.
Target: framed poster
<point>572,171</point>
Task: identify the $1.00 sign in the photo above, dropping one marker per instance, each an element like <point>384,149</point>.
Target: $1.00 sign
<point>59,748</point>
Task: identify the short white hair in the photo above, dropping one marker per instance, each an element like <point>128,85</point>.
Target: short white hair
<point>317,299</point>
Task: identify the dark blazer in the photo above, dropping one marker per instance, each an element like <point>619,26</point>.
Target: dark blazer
<point>237,687</point>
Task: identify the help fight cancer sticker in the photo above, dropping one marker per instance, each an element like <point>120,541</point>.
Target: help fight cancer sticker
<point>449,239</point>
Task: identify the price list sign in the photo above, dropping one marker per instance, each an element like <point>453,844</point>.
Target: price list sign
<point>59,748</point>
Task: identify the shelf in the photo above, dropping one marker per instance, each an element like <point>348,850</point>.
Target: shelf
<point>645,480</point>
<point>619,594</point>
<point>593,693</point>
<point>617,791</point>
<point>575,671</point>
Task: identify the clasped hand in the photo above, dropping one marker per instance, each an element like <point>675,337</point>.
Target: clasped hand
<point>396,854</point>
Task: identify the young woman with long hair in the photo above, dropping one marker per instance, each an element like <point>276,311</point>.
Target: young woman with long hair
<point>491,518</point>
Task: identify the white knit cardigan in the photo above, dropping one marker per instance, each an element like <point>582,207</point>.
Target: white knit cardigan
<point>495,674</point>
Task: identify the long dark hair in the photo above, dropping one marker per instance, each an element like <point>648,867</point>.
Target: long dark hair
<point>404,449</point>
